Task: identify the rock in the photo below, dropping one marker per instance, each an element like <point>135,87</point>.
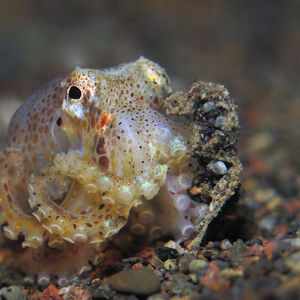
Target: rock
<point>101,290</point>
<point>161,296</point>
<point>141,282</point>
<point>74,292</point>
<point>170,265</point>
<point>217,167</point>
<point>156,263</point>
<point>220,121</point>
<point>225,244</point>
<point>51,292</point>
<point>208,106</point>
<point>293,261</point>
<point>197,265</point>
<point>174,245</point>
<point>13,293</point>
<point>180,284</point>
<point>165,253</point>
<point>185,261</point>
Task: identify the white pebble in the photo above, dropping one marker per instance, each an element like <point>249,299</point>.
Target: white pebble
<point>208,106</point>
<point>217,167</point>
<point>220,121</point>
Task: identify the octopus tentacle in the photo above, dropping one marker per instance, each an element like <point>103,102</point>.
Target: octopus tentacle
<point>94,226</point>
<point>76,260</point>
<point>170,212</point>
<point>16,221</point>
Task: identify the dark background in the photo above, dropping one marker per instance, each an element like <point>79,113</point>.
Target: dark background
<point>252,47</point>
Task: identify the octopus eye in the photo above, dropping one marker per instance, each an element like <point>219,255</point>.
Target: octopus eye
<point>58,122</point>
<point>74,92</point>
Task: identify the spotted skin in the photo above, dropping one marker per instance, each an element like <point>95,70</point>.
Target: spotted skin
<point>91,153</point>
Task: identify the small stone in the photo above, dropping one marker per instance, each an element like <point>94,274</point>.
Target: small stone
<point>221,264</point>
<point>293,261</point>
<point>51,292</point>
<point>217,167</point>
<point>197,265</point>
<point>220,121</point>
<point>229,273</point>
<point>208,106</point>
<point>165,253</point>
<point>172,244</point>
<point>170,265</point>
<point>254,241</point>
<point>160,296</point>
<point>13,292</point>
<point>141,282</point>
<point>194,278</point>
<point>239,247</point>
<point>29,280</point>
<point>180,284</point>
<point>225,244</point>
<point>156,263</point>
<point>184,262</point>
<point>293,242</point>
<point>74,292</point>
<point>101,290</point>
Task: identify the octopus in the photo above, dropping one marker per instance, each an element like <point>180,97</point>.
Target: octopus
<point>99,155</point>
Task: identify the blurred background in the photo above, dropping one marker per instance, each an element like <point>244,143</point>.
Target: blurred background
<point>252,47</point>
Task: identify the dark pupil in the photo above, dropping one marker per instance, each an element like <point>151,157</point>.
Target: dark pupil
<point>58,121</point>
<point>74,92</point>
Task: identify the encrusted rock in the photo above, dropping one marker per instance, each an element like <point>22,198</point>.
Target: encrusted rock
<point>215,131</point>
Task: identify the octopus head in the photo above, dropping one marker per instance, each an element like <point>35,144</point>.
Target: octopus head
<point>105,110</point>
<point>84,88</point>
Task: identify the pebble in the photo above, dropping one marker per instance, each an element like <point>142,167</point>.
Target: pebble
<point>197,265</point>
<point>141,282</point>
<point>208,106</point>
<point>221,264</point>
<point>239,247</point>
<point>293,261</point>
<point>253,242</point>
<point>293,242</point>
<point>220,121</point>
<point>13,293</point>
<point>156,263</point>
<point>217,167</point>
<point>194,277</point>
<point>172,244</point>
<point>184,262</point>
<point>225,244</point>
<point>170,265</point>
<point>165,253</point>
<point>159,297</point>
<point>180,284</point>
<point>101,290</point>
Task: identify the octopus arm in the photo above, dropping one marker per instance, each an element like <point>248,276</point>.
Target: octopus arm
<point>94,226</point>
<point>16,221</point>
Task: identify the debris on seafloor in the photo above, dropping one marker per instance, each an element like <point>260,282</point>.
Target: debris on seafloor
<point>103,161</point>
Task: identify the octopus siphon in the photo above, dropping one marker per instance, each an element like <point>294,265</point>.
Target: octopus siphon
<point>101,154</point>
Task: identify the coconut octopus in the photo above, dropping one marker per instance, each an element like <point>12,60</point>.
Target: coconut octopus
<point>101,153</point>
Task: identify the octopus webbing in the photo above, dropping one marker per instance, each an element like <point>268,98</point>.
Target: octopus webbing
<point>95,152</point>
